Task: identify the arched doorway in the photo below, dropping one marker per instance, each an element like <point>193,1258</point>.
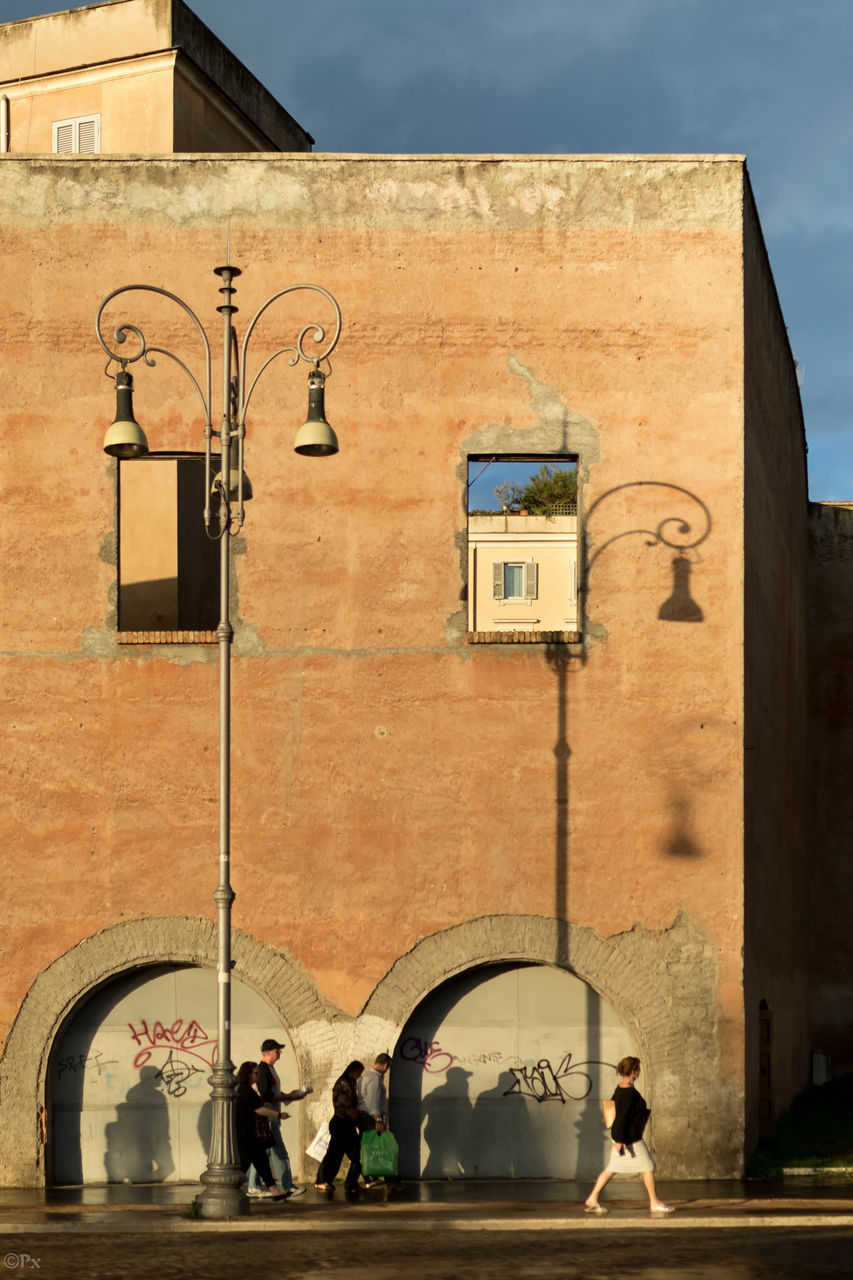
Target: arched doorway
<point>500,1072</point>
<point>128,1089</point>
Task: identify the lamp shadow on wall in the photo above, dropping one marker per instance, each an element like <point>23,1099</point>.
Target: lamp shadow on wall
<point>680,605</point>
<point>680,843</point>
<point>559,659</point>
<point>683,530</point>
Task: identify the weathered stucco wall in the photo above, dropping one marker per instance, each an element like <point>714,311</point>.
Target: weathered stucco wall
<point>591,306</point>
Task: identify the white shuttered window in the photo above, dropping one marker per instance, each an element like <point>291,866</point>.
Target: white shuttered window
<point>80,136</point>
<point>515,580</point>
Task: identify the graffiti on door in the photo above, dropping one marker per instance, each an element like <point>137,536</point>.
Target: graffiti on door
<point>185,1037</point>
<point>176,1074</point>
<point>540,1081</point>
<point>96,1063</point>
<point>428,1053</point>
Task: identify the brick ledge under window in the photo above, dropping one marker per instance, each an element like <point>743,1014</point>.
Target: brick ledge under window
<point>523,637</point>
<point>167,637</point>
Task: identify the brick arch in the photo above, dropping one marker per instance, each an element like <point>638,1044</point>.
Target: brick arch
<point>490,940</point>
<point>663,983</point>
<point>58,991</point>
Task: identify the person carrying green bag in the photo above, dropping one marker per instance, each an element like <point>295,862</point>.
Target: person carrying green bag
<point>379,1154</point>
<point>373,1095</point>
<point>373,1106</point>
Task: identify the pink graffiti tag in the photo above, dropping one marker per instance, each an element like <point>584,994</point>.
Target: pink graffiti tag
<point>428,1053</point>
<point>190,1037</point>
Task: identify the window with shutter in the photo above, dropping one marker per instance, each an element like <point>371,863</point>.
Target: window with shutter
<point>523,542</point>
<point>63,138</point>
<point>514,581</point>
<point>510,581</point>
<point>79,136</point>
<point>87,136</point>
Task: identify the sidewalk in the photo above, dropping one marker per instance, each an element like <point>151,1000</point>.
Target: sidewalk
<point>818,1201</point>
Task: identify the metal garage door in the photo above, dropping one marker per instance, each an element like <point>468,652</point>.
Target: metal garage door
<point>129,1092</point>
<point>500,1073</point>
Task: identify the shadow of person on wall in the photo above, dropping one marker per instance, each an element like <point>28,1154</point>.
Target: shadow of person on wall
<point>447,1132</point>
<point>500,1130</point>
<point>139,1148</point>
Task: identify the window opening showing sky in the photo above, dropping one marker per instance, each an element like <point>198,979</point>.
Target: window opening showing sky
<point>496,484</point>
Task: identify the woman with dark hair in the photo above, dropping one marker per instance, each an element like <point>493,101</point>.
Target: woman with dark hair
<point>343,1133</point>
<point>629,1153</point>
<point>253,1131</point>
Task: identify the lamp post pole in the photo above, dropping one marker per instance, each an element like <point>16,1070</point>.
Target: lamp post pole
<point>223,1196</point>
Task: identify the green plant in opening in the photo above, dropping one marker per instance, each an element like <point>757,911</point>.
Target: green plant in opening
<point>508,494</point>
<point>548,488</point>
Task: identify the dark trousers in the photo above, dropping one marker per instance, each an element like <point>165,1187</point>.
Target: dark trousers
<point>343,1141</point>
<point>253,1151</point>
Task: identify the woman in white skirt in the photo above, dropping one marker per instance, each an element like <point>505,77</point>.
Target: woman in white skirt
<point>629,1153</point>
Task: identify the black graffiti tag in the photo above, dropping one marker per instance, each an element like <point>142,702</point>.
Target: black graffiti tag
<point>544,1084</point>
<point>80,1062</point>
<point>175,1075</point>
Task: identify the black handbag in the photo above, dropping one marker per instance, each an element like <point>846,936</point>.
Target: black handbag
<point>263,1132</point>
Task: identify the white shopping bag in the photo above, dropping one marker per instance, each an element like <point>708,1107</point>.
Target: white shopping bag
<point>320,1145</point>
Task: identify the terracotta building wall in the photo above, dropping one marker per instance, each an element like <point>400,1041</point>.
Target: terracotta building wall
<point>390,781</point>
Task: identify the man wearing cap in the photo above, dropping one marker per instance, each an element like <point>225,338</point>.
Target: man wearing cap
<point>269,1087</point>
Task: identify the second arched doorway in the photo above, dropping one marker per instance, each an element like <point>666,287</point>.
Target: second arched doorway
<point>499,1073</point>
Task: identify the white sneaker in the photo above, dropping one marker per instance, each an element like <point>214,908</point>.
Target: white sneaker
<point>294,1192</point>
<point>255,1193</point>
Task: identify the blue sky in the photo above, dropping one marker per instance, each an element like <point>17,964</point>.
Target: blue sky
<point>484,476</point>
<point>770,79</point>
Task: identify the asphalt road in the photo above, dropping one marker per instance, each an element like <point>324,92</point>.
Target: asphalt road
<point>441,1252</point>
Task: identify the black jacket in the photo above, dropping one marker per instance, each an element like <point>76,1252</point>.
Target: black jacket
<point>266,1085</point>
<point>632,1115</point>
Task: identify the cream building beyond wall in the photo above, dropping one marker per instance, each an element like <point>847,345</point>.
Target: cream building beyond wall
<point>132,77</point>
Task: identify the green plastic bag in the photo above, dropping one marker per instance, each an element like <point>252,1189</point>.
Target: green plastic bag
<point>379,1154</point>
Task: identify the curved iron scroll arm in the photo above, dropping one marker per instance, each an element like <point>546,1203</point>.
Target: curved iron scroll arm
<point>146,352</point>
<point>296,351</point>
<point>672,531</point>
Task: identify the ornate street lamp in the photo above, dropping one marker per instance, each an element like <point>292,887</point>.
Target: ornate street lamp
<point>223,1196</point>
